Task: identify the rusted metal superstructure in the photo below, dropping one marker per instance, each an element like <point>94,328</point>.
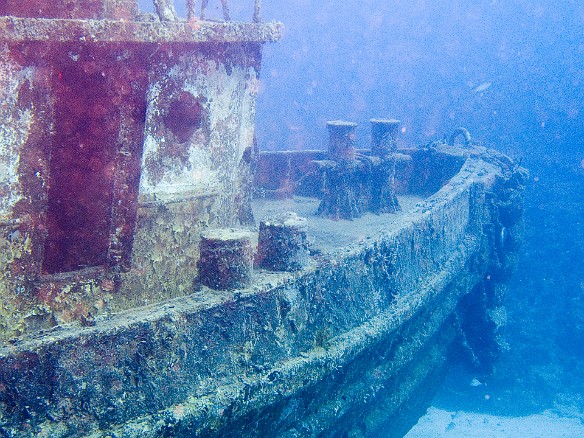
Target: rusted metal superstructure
<point>121,139</point>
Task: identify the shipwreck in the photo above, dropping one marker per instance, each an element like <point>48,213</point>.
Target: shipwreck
<point>162,277</point>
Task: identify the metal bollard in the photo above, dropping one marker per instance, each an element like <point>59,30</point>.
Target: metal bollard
<point>226,259</point>
<point>384,136</point>
<point>282,243</point>
<point>341,140</point>
<point>384,145</point>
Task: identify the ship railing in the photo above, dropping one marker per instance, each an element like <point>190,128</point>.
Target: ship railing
<point>166,10</point>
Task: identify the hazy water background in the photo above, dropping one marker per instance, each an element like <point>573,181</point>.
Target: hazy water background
<point>425,63</point>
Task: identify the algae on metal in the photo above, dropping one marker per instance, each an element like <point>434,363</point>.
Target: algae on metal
<point>353,343</point>
<point>190,179</point>
<point>362,332</point>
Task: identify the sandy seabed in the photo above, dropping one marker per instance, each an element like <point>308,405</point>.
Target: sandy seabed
<point>439,423</point>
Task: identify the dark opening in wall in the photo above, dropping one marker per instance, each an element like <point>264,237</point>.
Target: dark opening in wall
<point>95,159</point>
<point>184,117</point>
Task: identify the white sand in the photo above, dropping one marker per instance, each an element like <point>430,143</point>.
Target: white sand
<point>439,423</point>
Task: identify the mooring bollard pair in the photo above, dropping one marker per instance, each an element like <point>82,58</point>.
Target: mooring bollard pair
<point>342,138</point>
<point>354,185</point>
<point>227,258</point>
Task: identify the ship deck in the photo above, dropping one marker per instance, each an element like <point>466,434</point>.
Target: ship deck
<point>329,237</point>
<point>363,331</point>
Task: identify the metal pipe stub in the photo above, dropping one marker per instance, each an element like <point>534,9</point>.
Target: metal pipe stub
<point>341,140</point>
<point>226,260</point>
<point>384,136</point>
<point>282,243</point>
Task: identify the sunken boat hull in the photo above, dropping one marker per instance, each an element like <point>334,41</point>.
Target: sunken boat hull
<point>164,313</point>
<point>355,342</point>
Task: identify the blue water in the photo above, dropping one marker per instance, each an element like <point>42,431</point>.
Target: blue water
<point>512,73</point>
